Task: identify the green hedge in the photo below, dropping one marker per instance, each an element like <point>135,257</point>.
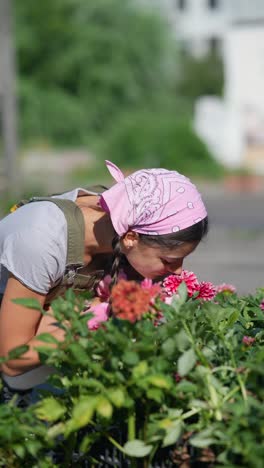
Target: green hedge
<point>160,140</point>
<point>192,386</point>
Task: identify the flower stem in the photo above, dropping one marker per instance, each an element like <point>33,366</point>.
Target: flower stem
<point>239,379</point>
<point>231,393</point>
<point>116,444</point>
<point>190,413</point>
<point>202,358</point>
<point>132,426</point>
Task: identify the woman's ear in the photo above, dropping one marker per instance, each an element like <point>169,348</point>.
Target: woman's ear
<point>130,239</point>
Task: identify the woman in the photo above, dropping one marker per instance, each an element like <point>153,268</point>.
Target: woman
<point>152,219</point>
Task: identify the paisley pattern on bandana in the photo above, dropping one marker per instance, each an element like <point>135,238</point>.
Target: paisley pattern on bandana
<point>152,201</point>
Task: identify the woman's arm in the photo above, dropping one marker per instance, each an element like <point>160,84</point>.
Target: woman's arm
<point>19,325</point>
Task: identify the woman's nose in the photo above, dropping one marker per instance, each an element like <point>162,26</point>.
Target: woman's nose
<point>175,270</point>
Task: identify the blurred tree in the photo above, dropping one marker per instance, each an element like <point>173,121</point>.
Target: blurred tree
<point>107,73</point>
<point>7,97</point>
<point>201,76</point>
<point>161,140</point>
<point>82,64</point>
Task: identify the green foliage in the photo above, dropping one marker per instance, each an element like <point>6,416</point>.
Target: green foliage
<point>51,114</point>
<point>189,382</point>
<point>107,74</point>
<point>201,76</point>
<point>83,63</point>
<point>159,139</point>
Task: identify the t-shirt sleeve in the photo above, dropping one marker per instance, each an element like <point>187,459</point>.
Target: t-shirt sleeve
<point>34,258</point>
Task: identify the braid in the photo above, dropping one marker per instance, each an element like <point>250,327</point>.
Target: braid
<point>117,257</point>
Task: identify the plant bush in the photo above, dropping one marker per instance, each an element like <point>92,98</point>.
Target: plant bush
<point>201,76</point>
<point>160,139</point>
<point>50,113</point>
<point>76,72</point>
<point>183,384</point>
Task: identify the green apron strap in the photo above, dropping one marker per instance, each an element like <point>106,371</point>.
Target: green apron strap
<point>75,226</point>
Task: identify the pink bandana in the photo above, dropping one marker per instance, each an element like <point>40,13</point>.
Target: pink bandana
<point>152,201</point>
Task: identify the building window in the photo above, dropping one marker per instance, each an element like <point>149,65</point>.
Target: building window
<point>214,45</point>
<point>213,4</point>
<point>181,4</point>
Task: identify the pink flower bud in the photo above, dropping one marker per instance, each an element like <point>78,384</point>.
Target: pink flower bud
<point>248,340</point>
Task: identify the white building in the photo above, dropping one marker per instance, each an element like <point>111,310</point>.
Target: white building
<point>232,127</point>
<point>202,24</point>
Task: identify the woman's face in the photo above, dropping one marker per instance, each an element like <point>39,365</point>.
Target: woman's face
<point>153,262</point>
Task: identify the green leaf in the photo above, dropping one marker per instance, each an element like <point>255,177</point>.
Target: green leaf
<point>18,351</point>
<point>186,387</point>
<point>33,446</point>
<point>47,338</point>
<point>196,403</point>
<point>86,443</point>
<point>19,450</point>
<point>81,415</point>
<point>232,319</point>
<point>137,448</point>
<point>168,347</point>
<point>172,435</point>
<point>116,396</point>
<point>155,394</point>
<point>55,430</point>
<point>202,442</point>
<point>131,358</point>
<point>174,413</point>
<point>70,295</point>
<point>30,303</point>
<point>50,409</point>
<point>140,370</point>
<point>186,362</point>
<point>182,341</point>
<point>182,292</point>
<point>104,408</point>
<point>159,381</point>
<point>79,354</point>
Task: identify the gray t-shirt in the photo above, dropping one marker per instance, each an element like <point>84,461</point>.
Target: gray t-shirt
<point>33,244</point>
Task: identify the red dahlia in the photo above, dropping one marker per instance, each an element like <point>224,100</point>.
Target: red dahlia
<point>130,301</point>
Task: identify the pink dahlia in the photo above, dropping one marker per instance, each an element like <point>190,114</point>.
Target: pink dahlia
<point>261,305</point>
<point>153,288</point>
<point>207,291</point>
<point>103,288</point>
<point>100,314</point>
<point>172,282</point>
<point>225,288</point>
<point>248,340</point>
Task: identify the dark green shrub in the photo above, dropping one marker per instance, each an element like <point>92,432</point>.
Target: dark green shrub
<point>191,386</point>
<point>81,64</point>
<point>201,76</point>
<point>50,114</point>
<point>160,140</point>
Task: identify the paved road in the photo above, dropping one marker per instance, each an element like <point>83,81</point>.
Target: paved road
<point>233,250</point>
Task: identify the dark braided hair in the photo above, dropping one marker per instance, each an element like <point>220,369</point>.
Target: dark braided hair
<point>194,233</point>
<point>117,260</point>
